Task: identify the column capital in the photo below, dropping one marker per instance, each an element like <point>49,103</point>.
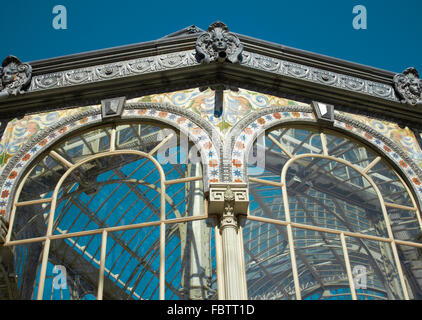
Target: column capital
<point>228,199</point>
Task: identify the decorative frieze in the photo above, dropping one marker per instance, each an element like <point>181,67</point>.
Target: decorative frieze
<point>114,70</point>
<point>316,75</point>
<point>189,58</point>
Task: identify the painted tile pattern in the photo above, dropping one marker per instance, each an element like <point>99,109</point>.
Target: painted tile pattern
<point>404,137</point>
<point>255,128</point>
<point>188,127</point>
<point>236,104</point>
<point>18,131</point>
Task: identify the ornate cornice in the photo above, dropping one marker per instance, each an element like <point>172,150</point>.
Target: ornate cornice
<point>185,59</point>
<point>111,71</point>
<point>318,75</point>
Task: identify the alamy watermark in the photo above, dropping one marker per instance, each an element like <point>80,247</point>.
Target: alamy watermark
<point>60,280</point>
<point>178,150</point>
<point>359,276</point>
<point>360,21</point>
<point>60,20</point>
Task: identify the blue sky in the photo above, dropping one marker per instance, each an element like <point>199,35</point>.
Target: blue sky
<point>391,40</point>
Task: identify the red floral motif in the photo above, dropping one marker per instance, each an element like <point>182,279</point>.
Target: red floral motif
<point>213,163</point>
<point>196,131</point>
<point>2,213</point>
<point>13,175</point>
<point>348,126</point>
<point>181,120</point>
<point>403,164</point>
<point>387,149</point>
<point>141,112</point>
<point>43,142</point>
<point>162,114</point>
<point>277,115</point>
<point>296,114</point>
<point>213,180</point>
<point>237,163</point>
<point>62,129</point>
<point>238,180</point>
<point>261,121</point>
<point>416,181</point>
<point>207,145</point>
<point>26,157</point>
<point>5,194</point>
<point>368,136</point>
<point>240,145</point>
<point>248,130</point>
<point>84,120</point>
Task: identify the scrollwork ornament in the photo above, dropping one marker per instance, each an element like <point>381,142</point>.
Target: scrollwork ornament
<point>218,44</point>
<point>15,76</point>
<point>408,86</point>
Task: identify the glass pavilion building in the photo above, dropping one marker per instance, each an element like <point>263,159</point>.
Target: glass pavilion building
<point>209,165</point>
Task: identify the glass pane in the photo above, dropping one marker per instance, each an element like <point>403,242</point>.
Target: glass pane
<point>343,148</point>
<point>113,191</point>
<point>266,201</point>
<point>404,224</point>
<point>73,268</point>
<point>22,262</point>
<point>30,221</point>
<point>85,144</point>
<point>142,137</point>
<point>389,184</point>
<point>374,269</point>
<point>321,266</point>
<point>186,199</point>
<point>329,194</point>
<point>42,180</point>
<point>411,263</point>
<point>267,259</point>
<point>133,263</point>
<point>189,269</point>
<point>299,141</point>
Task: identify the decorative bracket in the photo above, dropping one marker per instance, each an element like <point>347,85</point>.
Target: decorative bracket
<point>15,76</point>
<point>218,44</point>
<point>408,86</point>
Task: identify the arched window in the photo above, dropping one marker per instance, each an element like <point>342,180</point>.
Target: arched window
<point>117,212</point>
<point>329,219</point>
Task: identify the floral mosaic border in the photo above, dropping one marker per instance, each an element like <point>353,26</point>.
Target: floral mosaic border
<point>276,116</point>
<point>44,139</point>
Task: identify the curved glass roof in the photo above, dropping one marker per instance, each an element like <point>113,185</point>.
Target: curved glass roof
<point>113,191</point>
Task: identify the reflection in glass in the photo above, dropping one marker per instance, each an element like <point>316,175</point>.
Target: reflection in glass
<point>320,265</point>
<point>380,275</point>
<point>267,259</point>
